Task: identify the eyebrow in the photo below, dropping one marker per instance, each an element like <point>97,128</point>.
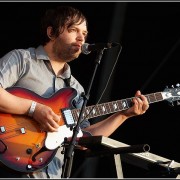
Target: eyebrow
<point>74,25</point>
<point>85,32</point>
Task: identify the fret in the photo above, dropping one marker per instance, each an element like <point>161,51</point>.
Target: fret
<point>78,112</point>
<point>88,112</point>
<point>94,111</point>
<point>124,104</point>
<point>159,96</point>
<point>102,109</point>
<point>120,105</point>
<point>129,102</point>
<point>74,115</point>
<point>152,98</point>
<point>113,106</point>
<point>107,107</point>
<point>105,111</point>
<point>84,115</point>
<point>148,99</point>
<point>97,110</point>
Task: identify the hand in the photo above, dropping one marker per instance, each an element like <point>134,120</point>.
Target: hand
<point>140,105</point>
<point>46,118</point>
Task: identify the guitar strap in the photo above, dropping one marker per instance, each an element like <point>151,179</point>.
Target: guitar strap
<point>67,81</point>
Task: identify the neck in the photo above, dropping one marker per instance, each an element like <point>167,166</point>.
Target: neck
<point>56,63</point>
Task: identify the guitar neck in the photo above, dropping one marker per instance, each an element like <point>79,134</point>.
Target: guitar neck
<point>113,106</point>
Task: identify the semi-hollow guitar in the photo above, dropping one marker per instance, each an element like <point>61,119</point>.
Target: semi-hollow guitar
<point>25,148</point>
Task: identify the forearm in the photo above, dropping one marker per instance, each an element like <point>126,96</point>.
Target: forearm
<point>13,104</point>
<point>107,126</point>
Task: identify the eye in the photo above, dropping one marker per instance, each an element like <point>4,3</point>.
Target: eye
<point>84,34</point>
<point>72,30</point>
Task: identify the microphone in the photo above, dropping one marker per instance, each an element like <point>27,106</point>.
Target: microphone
<point>87,48</point>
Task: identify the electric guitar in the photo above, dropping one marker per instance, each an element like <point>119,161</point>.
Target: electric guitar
<point>25,148</point>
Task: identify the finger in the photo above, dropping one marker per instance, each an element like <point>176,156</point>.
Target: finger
<point>139,103</point>
<point>56,118</point>
<point>50,128</point>
<point>136,104</point>
<point>143,98</point>
<point>53,123</point>
<point>145,103</point>
<point>145,107</point>
<point>138,93</point>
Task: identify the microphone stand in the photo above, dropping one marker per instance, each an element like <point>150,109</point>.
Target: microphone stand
<point>68,156</point>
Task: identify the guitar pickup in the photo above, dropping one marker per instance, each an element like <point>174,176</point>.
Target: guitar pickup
<point>68,117</point>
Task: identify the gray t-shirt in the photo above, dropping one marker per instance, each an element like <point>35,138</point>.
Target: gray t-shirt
<point>31,69</point>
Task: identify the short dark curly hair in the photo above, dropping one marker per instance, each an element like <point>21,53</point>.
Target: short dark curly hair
<point>57,18</point>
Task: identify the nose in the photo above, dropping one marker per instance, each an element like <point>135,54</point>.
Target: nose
<point>80,37</point>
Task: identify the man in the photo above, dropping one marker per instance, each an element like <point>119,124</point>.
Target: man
<point>45,70</point>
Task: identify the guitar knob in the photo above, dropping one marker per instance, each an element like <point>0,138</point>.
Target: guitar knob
<point>177,85</point>
<point>29,151</point>
<point>29,167</point>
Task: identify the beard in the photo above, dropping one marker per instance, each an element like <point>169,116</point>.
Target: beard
<point>66,52</point>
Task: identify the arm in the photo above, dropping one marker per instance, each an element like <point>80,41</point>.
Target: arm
<point>15,105</point>
<point>109,125</point>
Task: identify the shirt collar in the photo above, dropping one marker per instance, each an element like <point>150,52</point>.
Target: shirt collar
<point>67,72</point>
<point>41,54</point>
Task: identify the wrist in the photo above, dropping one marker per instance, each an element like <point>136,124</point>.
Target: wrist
<point>124,115</point>
<point>32,109</point>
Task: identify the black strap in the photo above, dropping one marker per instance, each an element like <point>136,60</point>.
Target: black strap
<point>67,81</point>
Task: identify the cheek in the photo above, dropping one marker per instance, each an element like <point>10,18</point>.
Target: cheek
<point>60,41</point>
<point>66,37</point>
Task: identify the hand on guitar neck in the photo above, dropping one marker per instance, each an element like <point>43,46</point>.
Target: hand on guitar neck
<point>139,106</point>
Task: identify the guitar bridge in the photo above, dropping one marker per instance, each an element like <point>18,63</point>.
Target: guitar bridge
<point>68,117</point>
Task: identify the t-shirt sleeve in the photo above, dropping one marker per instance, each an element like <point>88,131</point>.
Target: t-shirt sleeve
<point>11,66</point>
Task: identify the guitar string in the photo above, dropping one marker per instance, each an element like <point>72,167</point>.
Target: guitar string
<point>11,128</point>
<point>153,97</point>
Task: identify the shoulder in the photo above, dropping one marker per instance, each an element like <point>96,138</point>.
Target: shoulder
<point>18,54</point>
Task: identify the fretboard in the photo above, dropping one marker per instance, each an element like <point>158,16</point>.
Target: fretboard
<point>113,106</point>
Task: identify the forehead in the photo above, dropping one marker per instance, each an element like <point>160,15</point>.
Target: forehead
<point>82,25</point>
<point>79,25</point>
<point>73,22</point>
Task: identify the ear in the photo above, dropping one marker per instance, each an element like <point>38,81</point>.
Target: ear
<point>50,33</point>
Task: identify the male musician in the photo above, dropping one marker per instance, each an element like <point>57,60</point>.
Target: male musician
<point>44,70</point>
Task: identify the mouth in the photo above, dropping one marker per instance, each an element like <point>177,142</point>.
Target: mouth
<point>77,47</point>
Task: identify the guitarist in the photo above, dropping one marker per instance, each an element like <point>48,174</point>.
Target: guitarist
<point>44,70</point>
